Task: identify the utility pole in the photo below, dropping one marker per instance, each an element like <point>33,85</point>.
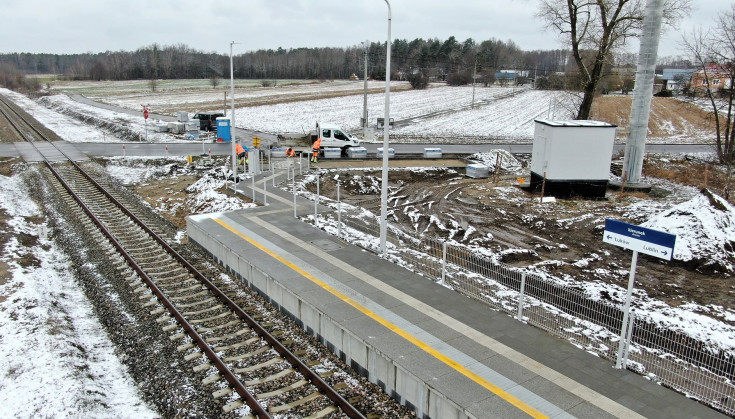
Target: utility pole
<point>474,74</point>
<point>364,99</point>
<point>232,121</point>
<point>386,125</point>
<point>642,94</point>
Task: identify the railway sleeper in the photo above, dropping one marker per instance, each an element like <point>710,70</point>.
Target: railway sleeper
<point>206,300</point>
<point>236,345</point>
<point>222,392</point>
<point>229,336</point>
<point>221,326</point>
<point>286,389</point>
<point>185,347</point>
<point>205,310</point>
<point>250,354</point>
<point>151,303</point>
<point>202,367</point>
<point>170,327</point>
<point>270,378</point>
<point>187,289</point>
<point>303,400</point>
<point>185,297</point>
<point>232,406</point>
<point>209,319</point>
<point>194,355</point>
<point>212,379</point>
<point>265,364</point>
<point>158,311</point>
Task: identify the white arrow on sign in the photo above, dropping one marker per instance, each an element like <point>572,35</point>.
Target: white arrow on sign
<point>648,248</point>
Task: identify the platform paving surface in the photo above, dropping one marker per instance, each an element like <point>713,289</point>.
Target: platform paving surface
<point>485,361</point>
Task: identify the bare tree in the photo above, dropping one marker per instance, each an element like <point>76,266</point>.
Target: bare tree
<point>714,54</point>
<point>595,29</point>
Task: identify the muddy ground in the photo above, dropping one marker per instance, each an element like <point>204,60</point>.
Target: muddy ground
<point>563,238</point>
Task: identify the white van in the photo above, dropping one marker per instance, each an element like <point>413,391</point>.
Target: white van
<point>333,136</point>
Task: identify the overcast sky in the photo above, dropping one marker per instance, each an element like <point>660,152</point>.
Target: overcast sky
<point>76,26</point>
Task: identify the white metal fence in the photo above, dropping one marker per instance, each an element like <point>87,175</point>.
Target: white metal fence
<point>668,357</point>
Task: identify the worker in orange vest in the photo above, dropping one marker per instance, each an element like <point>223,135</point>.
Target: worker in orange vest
<point>315,149</point>
<point>241,152</point>
<point>290,152</point>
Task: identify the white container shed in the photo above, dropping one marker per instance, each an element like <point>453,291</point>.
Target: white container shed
<point>572,156</point>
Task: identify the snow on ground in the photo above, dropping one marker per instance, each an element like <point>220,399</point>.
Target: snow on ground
<point>203,196</point>
<point>440,112</point>
<point>197,94</point>
<point>498,113</point>
<point>56,360</point>
<point>705,230</point>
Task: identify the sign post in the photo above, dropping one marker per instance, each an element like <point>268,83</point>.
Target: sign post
<point>638,239</point>
<point>145,116</point>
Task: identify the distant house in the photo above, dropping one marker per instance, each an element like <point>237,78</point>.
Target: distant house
<point>716,76</point>
<point>506,77</point>
<point>676,78</point>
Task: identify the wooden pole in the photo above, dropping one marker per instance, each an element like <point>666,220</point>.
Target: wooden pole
<point>622,186</point>
<point>543,187</point>
<point>498,163</point>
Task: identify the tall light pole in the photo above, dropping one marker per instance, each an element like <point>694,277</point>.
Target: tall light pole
<point>364,96</point>
<point>232,120</point>
<point>386,124</point>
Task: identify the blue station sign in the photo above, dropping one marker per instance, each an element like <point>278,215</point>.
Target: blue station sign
<point>645,240</point>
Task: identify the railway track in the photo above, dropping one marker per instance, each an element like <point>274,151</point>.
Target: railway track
<point>252,364</point>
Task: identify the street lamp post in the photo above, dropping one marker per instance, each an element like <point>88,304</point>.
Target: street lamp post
<point>386,124</point>
<point>232,121</point>
<point>364,96</point>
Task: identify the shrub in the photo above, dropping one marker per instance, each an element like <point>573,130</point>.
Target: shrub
<point>418,81</point>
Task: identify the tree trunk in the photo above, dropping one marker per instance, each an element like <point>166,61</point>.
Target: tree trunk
<point>586,106</point>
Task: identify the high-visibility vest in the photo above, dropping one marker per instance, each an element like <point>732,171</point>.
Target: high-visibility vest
<point>239,149</point>
<point>317,144</point>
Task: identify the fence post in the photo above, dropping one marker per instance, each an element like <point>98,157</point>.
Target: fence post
<point>339,214</point>
<point>293,188</point>
<point>316,202</point>
<point>444,262</point>
<point>520,297</point>
<point>265,191</point>
<point>253,187</point>
<point>627,341</point>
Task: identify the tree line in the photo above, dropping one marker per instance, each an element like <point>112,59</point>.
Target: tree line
<point>432,57</point>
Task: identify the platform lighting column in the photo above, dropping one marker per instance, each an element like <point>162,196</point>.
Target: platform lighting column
<point>386,124</point>
<point>364,95</point>
<point>232,120</point>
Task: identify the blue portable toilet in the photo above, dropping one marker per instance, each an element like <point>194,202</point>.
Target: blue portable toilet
<point>223,130</point>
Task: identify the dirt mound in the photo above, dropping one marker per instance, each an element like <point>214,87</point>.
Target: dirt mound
<point>705,230</point>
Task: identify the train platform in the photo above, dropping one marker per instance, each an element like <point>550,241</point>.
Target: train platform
<point>436,351</point>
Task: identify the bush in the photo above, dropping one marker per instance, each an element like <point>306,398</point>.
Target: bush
<point>418,81</point>
<point>664,93</point>
<point>459,79</point>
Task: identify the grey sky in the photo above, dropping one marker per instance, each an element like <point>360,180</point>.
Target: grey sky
<point>74,26</point>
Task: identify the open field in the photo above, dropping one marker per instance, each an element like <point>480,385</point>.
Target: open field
<point>438,114</point>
